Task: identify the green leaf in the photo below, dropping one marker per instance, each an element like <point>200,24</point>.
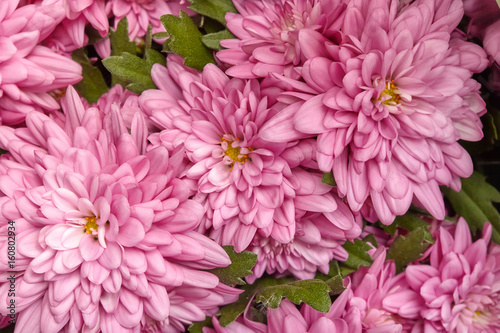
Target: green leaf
<point>474,203</point>
<point>185,40</point>
<point>93,85</point>
<point>409,221</point>
<point>328,179</point>
<point>231,312</point>
<point>241,266</point>
<point>336,281</point>
<point>270,292</point>
<point>161,35</point>
<point>358,256</point>
<point>407,249</point>
<point>215,9</point>
<point>198,326</point>
<point>212,41</point>
<point>134,71</point>
<point>120,42</point>
<point>313,292</point>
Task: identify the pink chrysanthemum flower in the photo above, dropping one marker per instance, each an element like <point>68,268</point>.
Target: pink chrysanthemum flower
<point>390,106</point>
<point>104,230</point>
<point>380,300</point>
<point>279,35</point>
<point>29,71</point>
<point>141,13</point>
<point>246,184</point>
<point>460,287</point>
<point>491,41</point>
<point>190,304</point>
<point>71,31</point>
<point>317,240</point>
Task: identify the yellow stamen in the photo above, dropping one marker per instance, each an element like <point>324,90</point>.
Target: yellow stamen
<point>389,90</point>
<point>234,153</point>
<point>91,224</point>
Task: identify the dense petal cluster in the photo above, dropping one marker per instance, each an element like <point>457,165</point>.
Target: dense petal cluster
<point>28,70</point>
<point>390,107</point>
<point>301,139</point>
<point>278,36</point>
<point>254,192</point>
<point>459,287</point>
<point>105,230</point>
<point>141,13</point>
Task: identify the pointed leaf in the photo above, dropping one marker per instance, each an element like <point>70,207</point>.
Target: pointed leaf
<point>407,249</point>
<point>119,39</point>
<point>475,203</point>
<point>241,266</point>
<point>328,179</point>
<point>313,292</point>
<point>93,85</point>
<point>231,312</point>
<point>215,9</point>
<point>270,292</point>
<point>185,40</point>
<point>212,40</point>
<point>358,256</point>
<point>134,71</point>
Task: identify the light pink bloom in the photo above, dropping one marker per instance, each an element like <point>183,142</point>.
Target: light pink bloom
<point>460,287</point>
<point>141,13</point>
<point>250,188</point>
<point>279,35</point>
<point>190,304</point>
<point>105,230</point>
<point>317,240</point>
<point>389,111</point>
<point>380,300</point>
<point>28,70</point>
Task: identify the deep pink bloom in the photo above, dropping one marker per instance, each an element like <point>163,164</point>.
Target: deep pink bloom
<point>390,106</point>
<point>460,287</point>
<point>28,70</point>
<point>491,41</point>
<point>279,35</point>
<point>104,229</point>
<point>482,14</point>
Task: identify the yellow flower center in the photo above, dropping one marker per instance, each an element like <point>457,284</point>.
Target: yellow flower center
<point>91,224</point>
<point>234,152</point>
<point>389,91</point>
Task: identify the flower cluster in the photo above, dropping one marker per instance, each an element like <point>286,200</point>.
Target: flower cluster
<point>307,154</point>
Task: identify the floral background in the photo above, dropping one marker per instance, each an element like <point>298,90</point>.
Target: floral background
<point>249,166</point>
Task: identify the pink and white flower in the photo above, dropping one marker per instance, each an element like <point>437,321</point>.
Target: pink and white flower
<point>390,106</point>
<point>105,230</point>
